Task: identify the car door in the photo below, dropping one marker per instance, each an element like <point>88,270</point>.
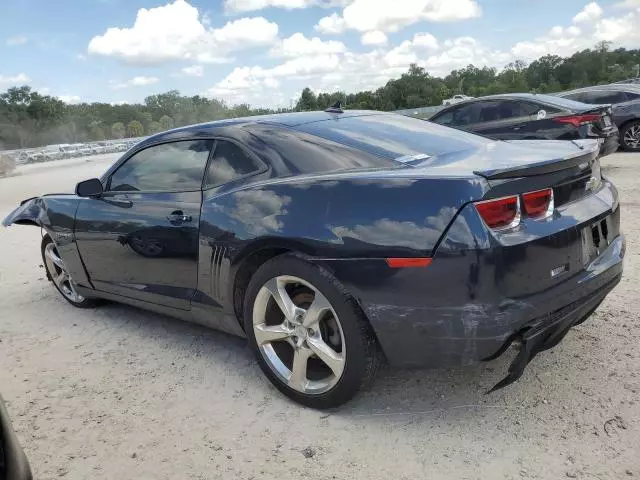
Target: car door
<point>139,239</point>
<point>504,119</point>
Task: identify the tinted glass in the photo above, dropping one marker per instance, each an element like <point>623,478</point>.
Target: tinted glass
<point>632,96</point>
<point>228,163</point>
<point>393,136</point>
<point>505,109</point>
<point>169,167</point>
<point>563,103</point>
<point>301,152</point>
<point>600,96</point>
<point>574,96</point>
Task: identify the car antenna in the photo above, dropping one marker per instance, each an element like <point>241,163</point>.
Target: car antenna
<point>335,108</point>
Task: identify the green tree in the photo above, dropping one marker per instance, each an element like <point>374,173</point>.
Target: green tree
<point>154,127</point>
<point>96,131</point>
<point>307,101</point>
<point>135,129</point>
<point>166,122</point>
<point>117,130</point>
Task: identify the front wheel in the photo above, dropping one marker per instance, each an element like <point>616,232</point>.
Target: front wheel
<point>59,275</point>
<point>630,136</point>
<point>308,334</point>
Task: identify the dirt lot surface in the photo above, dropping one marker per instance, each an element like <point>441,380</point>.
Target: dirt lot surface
<point>119,393</point>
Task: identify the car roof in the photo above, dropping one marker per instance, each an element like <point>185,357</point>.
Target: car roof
<point>541,98</point>
<point>618,87</point>
<point>291,119</point>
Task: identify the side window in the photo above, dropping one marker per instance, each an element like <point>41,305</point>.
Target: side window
<point>531,108</point>
<point>446,118</point>
<point>228,163</point>
<point>632,96</point>
<point>491,111</point>
<point>466,114</point>
<point>170,167</point>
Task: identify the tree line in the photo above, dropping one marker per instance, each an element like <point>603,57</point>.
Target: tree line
<point>29,118</point>
<point>547,74</point>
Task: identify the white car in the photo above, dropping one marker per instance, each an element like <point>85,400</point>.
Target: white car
<point>455,99</point>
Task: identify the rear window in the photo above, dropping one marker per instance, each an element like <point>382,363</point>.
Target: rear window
<point>564,103</point>
<point>394,136</point>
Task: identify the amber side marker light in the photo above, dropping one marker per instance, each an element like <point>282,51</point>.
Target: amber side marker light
<point>408,262</point>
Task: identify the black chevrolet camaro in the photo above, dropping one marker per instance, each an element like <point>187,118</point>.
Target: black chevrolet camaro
<point>334,240</point>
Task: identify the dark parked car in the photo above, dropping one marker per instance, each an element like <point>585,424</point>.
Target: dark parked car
<point>625,100</point>
<point>334,239</point>
<point>13,462</point>
<point>516,116</point>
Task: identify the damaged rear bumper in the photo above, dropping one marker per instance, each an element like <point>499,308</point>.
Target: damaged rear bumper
<point>547,332</point>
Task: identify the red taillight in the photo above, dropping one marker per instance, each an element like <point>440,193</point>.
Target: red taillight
<point>408,262</point>
<point>577,120</point>
<point>538,203</point>
<point>500,213</point>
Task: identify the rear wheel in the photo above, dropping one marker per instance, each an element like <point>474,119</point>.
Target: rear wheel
<point>630,136</point>
<point>60,276</point>
<point>308,334</point>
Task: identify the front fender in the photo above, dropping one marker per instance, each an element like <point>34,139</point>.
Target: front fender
<point>28,213</point>
<point>56,215</point>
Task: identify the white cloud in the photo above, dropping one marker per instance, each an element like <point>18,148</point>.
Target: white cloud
<point>177,32</point>
<point>298,45</point>
<point>623,30</point>
<point>70,99</point>
<point>563,41</point>
<point>251,5</point>
<point>628,4</point>
<point>356,71</point>
<point>17,40</point>
<point>374,37</point>
<point>589,13</point>
<point>334,24</point>
<point>13,81</point>
<point>193,71</point>
<point>135,82</point>
<point>425,40</point>
<point>391,16</point>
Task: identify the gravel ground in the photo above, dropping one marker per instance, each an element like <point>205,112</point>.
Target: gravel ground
<point>119,393</point>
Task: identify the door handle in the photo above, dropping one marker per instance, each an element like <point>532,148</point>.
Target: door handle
<point>178,218</point>
<point>519,126</point>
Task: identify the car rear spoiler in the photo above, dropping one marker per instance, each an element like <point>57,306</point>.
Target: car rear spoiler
<point>586,152</point>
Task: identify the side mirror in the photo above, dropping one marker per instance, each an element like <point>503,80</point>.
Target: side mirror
<point>89,188</point>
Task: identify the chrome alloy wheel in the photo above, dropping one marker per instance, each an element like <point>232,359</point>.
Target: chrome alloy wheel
<point>299,334</point>
<point>632,137</point>
<point>60,275</point>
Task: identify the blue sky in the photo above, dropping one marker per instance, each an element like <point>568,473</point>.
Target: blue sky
<point>265,51</point>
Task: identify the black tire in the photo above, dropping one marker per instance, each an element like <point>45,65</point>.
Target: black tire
<point>363,356</point>
<point>626,130</point>
<point>85,302</point>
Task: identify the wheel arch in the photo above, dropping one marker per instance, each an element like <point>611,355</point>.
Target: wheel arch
<point>623,126</point>
<point>251,258</point>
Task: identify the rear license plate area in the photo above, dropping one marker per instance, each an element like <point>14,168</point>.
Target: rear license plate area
<point>595,239</point>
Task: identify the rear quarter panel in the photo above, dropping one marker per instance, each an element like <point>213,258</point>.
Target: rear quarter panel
<point>326,217</point>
